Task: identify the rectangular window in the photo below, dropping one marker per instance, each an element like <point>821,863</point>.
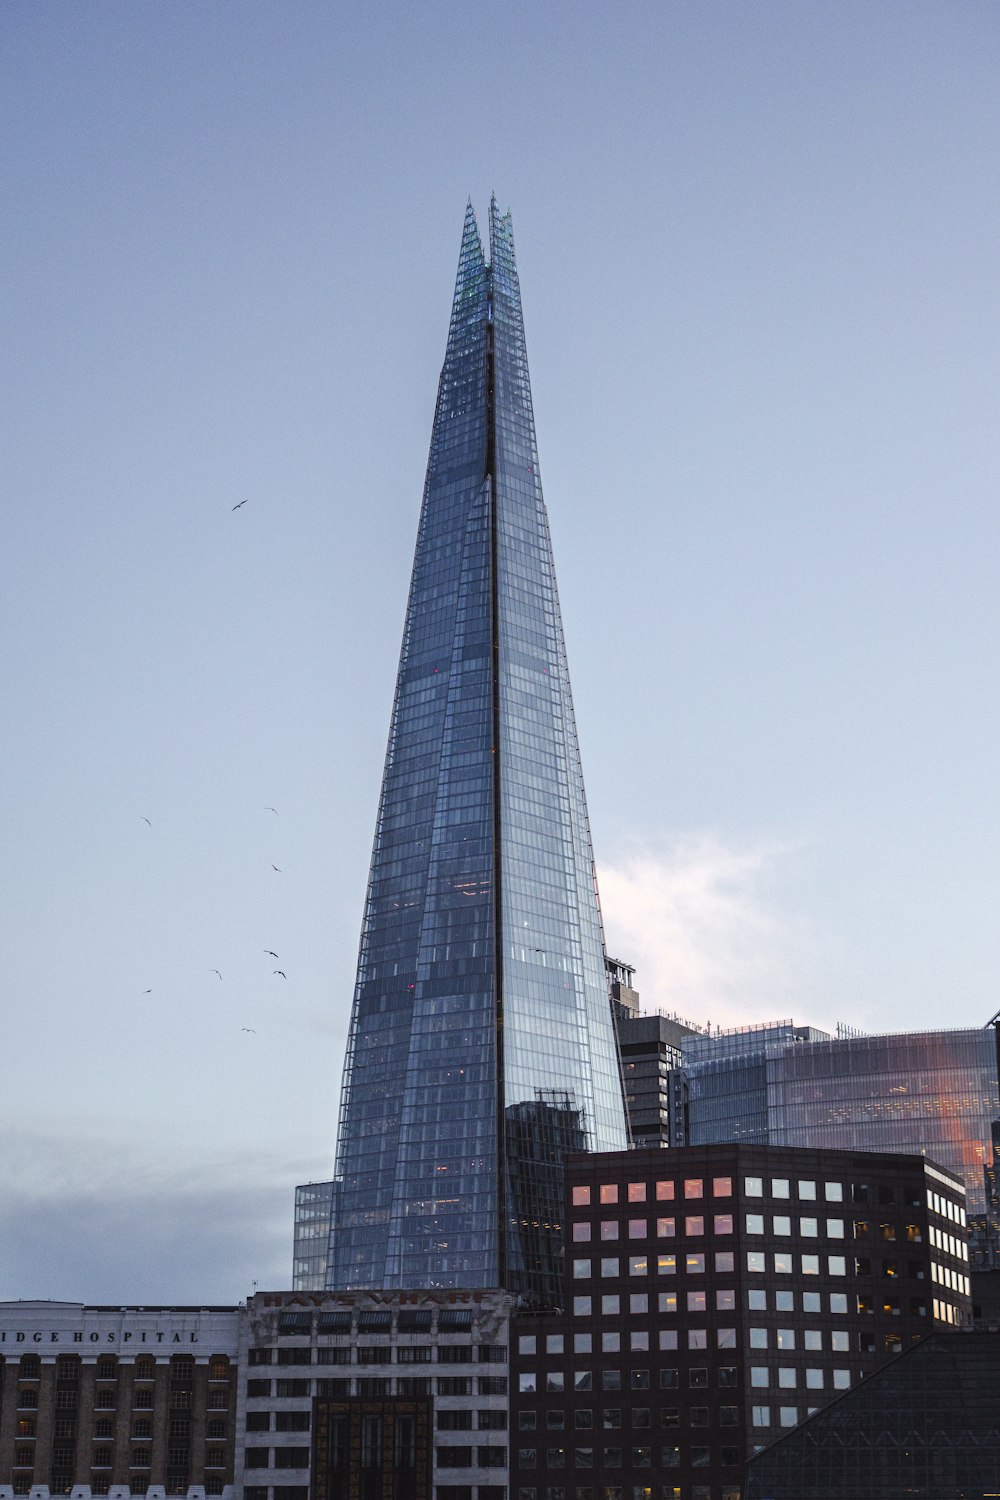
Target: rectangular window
<point>582,1307</point>
<point>581,1197</point>
<point>581,1230</point>
<point>666,1228</point>
<point>609,1266</point>
<point>637,1192</point>
<point>722,1187</point>
<point>637,1229</point>
<point>694,1187</point>
<point>753,1187</point>
<point>780,1187</point>
<point>665,1192</point>
<point>609,1192</point>
<point>695,1265</point>
<point>723,1223</point>
<point>638,1265</point>
<point>694,1224</point>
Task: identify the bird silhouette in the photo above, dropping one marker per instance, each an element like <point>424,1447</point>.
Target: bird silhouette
<point>242,502</point>
<point>216,971</point>
<point>147,992</point>
<point>275,867</point>
<point>250,1029</point>
<point>271,953</point>
<point>282,973</point>
<point>146,820</point>
<point>272,809</point>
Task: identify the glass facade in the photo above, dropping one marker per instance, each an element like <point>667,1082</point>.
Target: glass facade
<point>911,1092</point>
<point>481,1038</point>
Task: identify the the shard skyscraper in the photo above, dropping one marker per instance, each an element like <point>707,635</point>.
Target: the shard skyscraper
<point>481,1045</point>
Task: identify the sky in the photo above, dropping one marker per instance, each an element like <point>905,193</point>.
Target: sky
<point>757,247</point>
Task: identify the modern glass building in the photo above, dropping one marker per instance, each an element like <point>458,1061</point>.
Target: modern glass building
<point>784,1085</point>
<point>481,1046</point>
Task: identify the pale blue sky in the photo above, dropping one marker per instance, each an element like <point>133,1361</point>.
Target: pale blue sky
<point>758,253</point>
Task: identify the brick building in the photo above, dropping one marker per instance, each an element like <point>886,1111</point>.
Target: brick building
<point>117,1401</point>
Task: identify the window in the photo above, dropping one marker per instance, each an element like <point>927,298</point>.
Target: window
<point>581,1307</point>
<point>834,1192</point>
<point>788,1415</point>
<point>726,1338</point>
<point>722,1187</point>
<point>725,1299</point>
<point>758,1338</point>
<point>787,1380</point>
<point>760,1376</point>
<point>637,1192</point>
<point>609,1192</point>
<point>668,1338</point>
<point>453,1354</point>
<point>725,1261</point>
<point>695,1265</point>
<point>454,1421</point>
<point>666,1265</point>
<point>780,1187</point>
<point>664,1192</point>
<point>581,1197</point>
<point>666,1229</point>
<point>757,1301</point>
<point>258,1387</point>
<point>610,1305</point>
<point>755,1223</point>
<point>637,1229</point>
<point>782,1224</point>
<point>668,1380</point>
<point>810,1264</point>
<point>416,1354</point>
<point>760,1416</point>
<point>581,1269</point>
<point>809,1228</point>
<point>583,1343</point>
<point>609,1229</point>
<point>694,1187</point>
<point>723,1223</point>
<point>694,1224</point>
<point>783,1262</point>
<point>581,1230</point>
<point>755,1260</point>
<point>609,1266</point>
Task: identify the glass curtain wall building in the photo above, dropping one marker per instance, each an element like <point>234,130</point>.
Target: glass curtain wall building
<point>784,1085</point>
<point>481,1046</point>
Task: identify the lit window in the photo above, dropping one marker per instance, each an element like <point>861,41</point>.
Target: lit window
<point>695,1265</point>
<point>609,1229</point>
<point>638,1265</point>
<point>810,1265</point>
<point>582,1343</point>
<point>782,1224</point>
<point>526,1343</point>
<point>609,1192</point>
<point>835,1229</point>
<point>755,1260</point>
<point>694,1187</point>
<point>722,1187</point>
<point>694,1224</point>
<point>760,1416</point>
<point>809,1228</point>
<point>581,1307</point>
<point>610,1306</point>
<point>788,1415</point>
<point>667,1302</point>
<point>696,1301</point>
<point>834,1192</point>
<point>637,1229</point>
<point>611,1342</point>
<point>638,1302</point>
<point>664,1191</point>
<point>725,1299</point>
<point>581,1230</point>
<point>666,1265</point>
<point>780,1187</point>
<point>783,1263</point>
<point>753,1187</point>
<point>581,1197</point>
<point>726,1338</point>
<point>609,1266</point>
<point>758,1338</point>
<point>760,1376</point>
<point>841,1379</point>
<point>637,1192</point>
<point>787,1378</point>
<point>814,1380</point>
<point>666,1228</point>
<point>581,1269</point>
<point>723,1223</point>
<point>837,1265</point>
<point>755,1223</point>
<point>807,1190</point>
<point>697,1339</point>
<point>638,1340</point>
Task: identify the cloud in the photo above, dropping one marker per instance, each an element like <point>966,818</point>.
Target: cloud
<point>708,939</point>
<point>93,1222</point>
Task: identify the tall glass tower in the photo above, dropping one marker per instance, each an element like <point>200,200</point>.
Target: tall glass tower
<point>481,1045</point>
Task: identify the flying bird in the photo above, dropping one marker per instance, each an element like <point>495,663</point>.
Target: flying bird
<point>146,820</point>
<point>147,992</point>
<point>215,971</point>
<point>248,1028</point>
<point>272,809</point>
<point>282,973</point>
<point>275,867</point>
<point>271,953</point>
<point>242,502</point>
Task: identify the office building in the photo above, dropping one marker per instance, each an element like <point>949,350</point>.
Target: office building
<point>376,1396</point>
<point>928,1424</point>
<point>650,1047</point>
<point>788,1085</point>
<point>118,1401</point>
<point>481,1046</point>
<point>715,1297</point>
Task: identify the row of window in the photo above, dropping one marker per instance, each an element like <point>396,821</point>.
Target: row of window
<point>635,1379</point>
<point>639,1416</point>
<point>618,1492</point>
<point>68,1400</point>
<point>445,1385</point>
<point>638,1456</point>
<point>661,1192</point>
<point>384,1354</point>
<point>694,1263</point>
<point>108,1367</point>
<point>62,1484</point>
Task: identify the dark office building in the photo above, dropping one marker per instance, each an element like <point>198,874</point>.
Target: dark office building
<point>715,1297</point>
<point>650,1048</point>
<point>786,1085</point>
<point>481,1038</point>
<point>926,1425</point>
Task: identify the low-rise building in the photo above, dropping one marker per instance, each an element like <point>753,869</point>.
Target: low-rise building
<point>117,1401</point>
